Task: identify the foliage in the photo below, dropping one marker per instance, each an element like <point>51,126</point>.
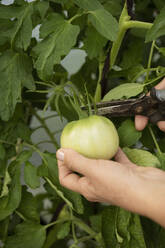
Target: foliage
<point>125,56</point>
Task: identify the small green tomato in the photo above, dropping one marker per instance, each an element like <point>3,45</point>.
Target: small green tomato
<point>94,137</point>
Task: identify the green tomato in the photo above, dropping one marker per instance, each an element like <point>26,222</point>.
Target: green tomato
<point>94,137</point>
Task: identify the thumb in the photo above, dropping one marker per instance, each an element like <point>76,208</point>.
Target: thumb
<point>75,161</point>
<point>121,158</point>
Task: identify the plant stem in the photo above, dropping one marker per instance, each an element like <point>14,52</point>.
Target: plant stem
<point>116,45</point>
<point>42,121</point>
<point>59,193</point>
<point>97,96</point>
<point>43,141</point>
<point>150,59</point>
<point>87,229</point>
<point>20,215</point>
<point>155,79</point>
<point>75,17</point>
<point>57,222</point>
<point>137,24</point>
<point>142,72</point>
<point>73,227</point>
<point>124,24</point>
<point>36,150</point>
<point>155,141</point>
<point>7,142</point>
<point>84,226</point>
<point>50,116</point>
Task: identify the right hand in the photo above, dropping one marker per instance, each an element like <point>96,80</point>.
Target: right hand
<point>141,121</point>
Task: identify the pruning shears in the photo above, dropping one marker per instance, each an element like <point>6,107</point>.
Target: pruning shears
<point>152,106</point>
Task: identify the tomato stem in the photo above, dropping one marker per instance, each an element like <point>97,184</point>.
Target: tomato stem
<point>88,101</point>
<point>154,139</point>
<point>43,123</point>
<point>153,80</point>
<point>137,24</point>
<point>150,59</point>
<point>124,24</point>
<point>57,222</point>
<point>59,193</point>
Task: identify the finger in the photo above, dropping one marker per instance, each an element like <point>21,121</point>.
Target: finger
<point>161,125</point>
<point>161,86</point>
<point>67,178</point>
<point>76,162</point>
<point>121,158</point>
<point>140,122</point>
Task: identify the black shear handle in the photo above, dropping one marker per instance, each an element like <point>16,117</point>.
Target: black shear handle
<point>159,114</point>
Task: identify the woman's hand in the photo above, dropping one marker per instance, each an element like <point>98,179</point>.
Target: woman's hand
<point>121,183</point>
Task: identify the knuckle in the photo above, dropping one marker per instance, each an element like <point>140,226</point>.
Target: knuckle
<point>89,198</point>
<point>87,190</point>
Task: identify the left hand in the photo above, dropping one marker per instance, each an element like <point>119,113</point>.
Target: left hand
<point>121,183</point>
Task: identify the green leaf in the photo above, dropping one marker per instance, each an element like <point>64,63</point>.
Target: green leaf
<point>142,157</point>
<point>133,54</point>
<point>21,32</point>
<point>153,233</point>
<point>136,233</point>
<point>147,139</point>
<point>89,5</point>
<point>59,37</point>
<point>93,43</point>
<point>124,91</point>
<point>5,26</point>
<point>15,71</point>
<point>104,23</point>
<point>58,231</point>
<point>27,234</point>
<point>8,12</point>
<point>130,230</point>
<point>24,156</point>
<point>42,7</point>
<point>64,230</point>
<point>10,202</point>
<point>23,131</point>
<point>7,181</point>
<point>29,206</point>
<point>158,28</point>
<point>96,222</point>
<point>114,7</point>
<point>60,1</point>
<point>30,176</point>
<point>2,151</point>
<point>122,223</point>
<point>4,228</point>
<point>162,50</point>
<point>109,216</point>
<point>159,4</point>
<point>161,158</point>
<point>128,135</point>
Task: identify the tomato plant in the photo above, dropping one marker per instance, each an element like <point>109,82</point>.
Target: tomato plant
<point>121,46</point>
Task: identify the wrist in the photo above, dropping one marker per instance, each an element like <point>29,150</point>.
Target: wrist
<point>150,194</point>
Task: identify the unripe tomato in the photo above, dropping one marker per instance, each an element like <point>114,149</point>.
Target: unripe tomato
<point>94,137</point>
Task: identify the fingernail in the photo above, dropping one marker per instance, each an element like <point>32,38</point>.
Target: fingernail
<point>60,155</point>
